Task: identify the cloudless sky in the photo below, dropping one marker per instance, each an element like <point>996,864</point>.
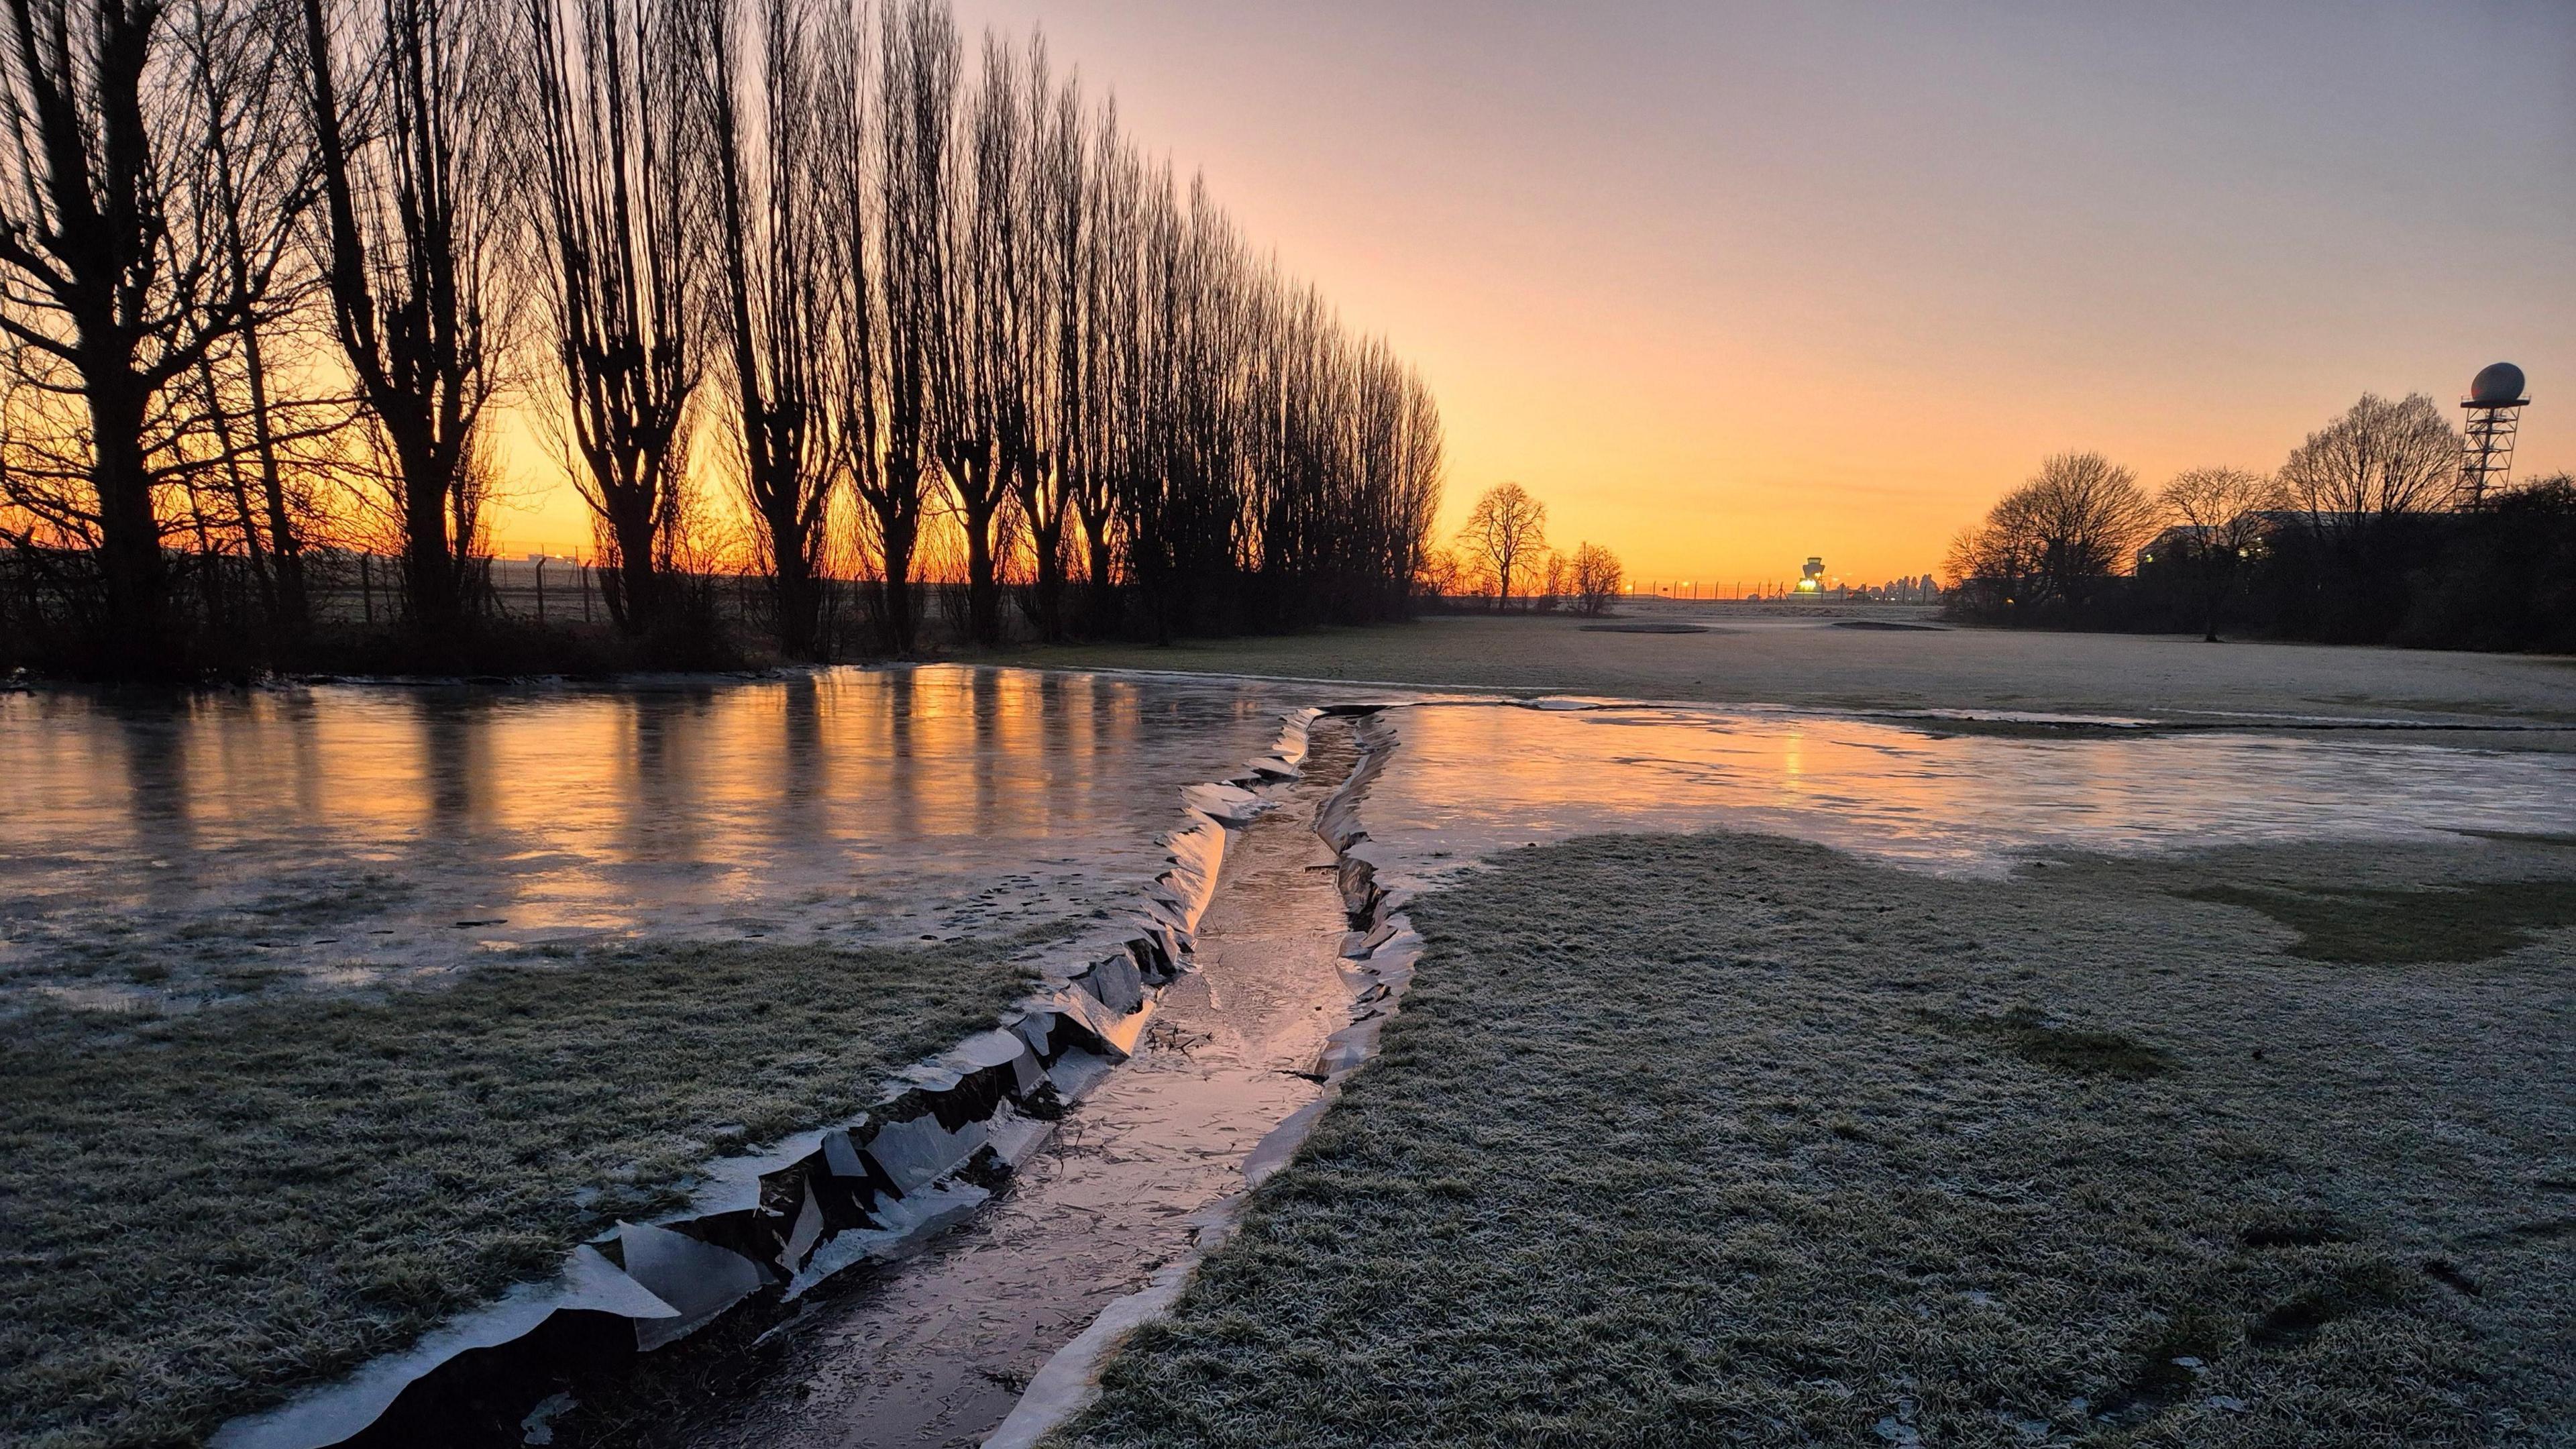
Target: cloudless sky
<point>1731,284</point>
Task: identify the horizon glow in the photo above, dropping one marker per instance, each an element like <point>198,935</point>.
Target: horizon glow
<point>1730,285</point>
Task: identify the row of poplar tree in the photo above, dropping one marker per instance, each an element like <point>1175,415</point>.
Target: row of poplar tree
<point>273,267</point>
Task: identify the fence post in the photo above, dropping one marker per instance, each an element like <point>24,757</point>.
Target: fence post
<point>366,590</point>
<point>541,591</point>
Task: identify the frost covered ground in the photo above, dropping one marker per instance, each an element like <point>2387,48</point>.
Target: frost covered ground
<point>1672,1127</point>
<point>1731,1139</point>
<point>203,1211</point>
<point>2194,1071</point>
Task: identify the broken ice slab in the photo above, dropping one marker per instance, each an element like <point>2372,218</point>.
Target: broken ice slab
<point>1122,1036</point>
<point>1013,1137</point>
<point>328,1415</point>
<point>906,1222</point>
<point>802,1238</point>
<point>1230,803</point>
<point>1357,945</point>
<point>841,1156</point>
<point>1075,1071</point>
<point>1116,982</point>
<point>912,1153</point>
<point>1347,1048</point>
<point>697,1278</point>
<point>981,1052</point>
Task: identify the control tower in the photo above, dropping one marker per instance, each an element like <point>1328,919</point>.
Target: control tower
<point>1811,579</point>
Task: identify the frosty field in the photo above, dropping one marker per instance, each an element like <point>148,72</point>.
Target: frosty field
<point>1947,1046</point>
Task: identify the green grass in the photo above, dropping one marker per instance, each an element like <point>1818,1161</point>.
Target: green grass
<point>1728,1140</point>
<point>200,1213</point>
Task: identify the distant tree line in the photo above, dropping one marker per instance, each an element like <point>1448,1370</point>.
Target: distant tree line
<point>1503,554</point>
<point>810,287</point>
<point>2353,539</point>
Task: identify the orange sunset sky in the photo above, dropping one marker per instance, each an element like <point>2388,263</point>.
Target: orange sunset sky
<point>1728,285</point>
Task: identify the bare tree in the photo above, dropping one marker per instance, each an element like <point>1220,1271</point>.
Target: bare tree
<point>1997,560</point>
<point>112,277</point>
<point>611,83</point>
<point>774,304</point>
<point>1598,579</point>
<point>2076,522</point>
<point>977,298</point>
<point>1112,304</point>
<point>2079,520</point>
<point>2379,460</point>
<point>406,113</point>
<point>258,180</point>
<point>910,325</point>
<point>984,431</point>
<point>1439,575</point>
<point>1058,334</point>
<point>1506,526</point>
<point>2220,524</point>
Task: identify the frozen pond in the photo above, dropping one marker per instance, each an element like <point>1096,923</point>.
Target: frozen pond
<point>158,843</point>
<point>169,846</point>
<point>1471,778</point>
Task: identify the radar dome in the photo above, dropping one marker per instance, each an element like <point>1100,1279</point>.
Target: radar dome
<point>2498,384</point>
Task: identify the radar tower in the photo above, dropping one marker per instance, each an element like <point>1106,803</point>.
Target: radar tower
<point>2495,403</point>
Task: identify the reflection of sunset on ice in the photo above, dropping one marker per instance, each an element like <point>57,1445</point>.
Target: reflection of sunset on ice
<point>859,723</point>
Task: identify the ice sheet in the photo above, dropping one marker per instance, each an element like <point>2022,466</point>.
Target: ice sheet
<point>159,844</point>
<point>1471,778</point>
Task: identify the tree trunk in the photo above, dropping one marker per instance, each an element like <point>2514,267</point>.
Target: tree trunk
<point>983,591</point>
<point>981,502</point>
<point>894,590</point>
<point>1103,602</point>
<point>432,603</point>
<point>796,605</point>
<point>1048,541</point>
<point>639,582</point>
<point>130,560</point>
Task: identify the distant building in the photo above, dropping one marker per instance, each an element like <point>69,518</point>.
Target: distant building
<point>2172,544</point>
<point>1811,579</point>
<point>2259,528</point>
